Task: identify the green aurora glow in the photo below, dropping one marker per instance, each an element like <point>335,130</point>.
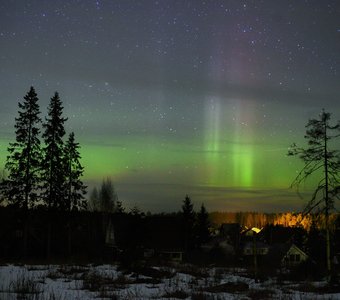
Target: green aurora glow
<point>170,98</point>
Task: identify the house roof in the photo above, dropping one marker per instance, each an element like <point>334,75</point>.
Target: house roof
<point>251,231</point>
<point>278,251</point>
<point>296,249</point>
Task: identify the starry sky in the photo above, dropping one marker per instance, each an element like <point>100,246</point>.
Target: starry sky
<point>178,97</point>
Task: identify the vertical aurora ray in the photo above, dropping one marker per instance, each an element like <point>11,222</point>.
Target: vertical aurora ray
<point>212,140</point>
<point>229,143</point>
<point>230,125</point>
<point>242,165</point>
<point>243,152</point>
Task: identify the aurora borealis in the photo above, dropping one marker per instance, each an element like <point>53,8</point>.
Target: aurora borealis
<point>178,97</point>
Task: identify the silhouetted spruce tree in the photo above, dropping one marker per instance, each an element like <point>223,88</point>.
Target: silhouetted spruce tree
<point>107,196</point>
<point>76,189</point>
<point>54,175</point>
<point>324,163</point>
<point>136,211</point>
<point>188,209</point>
<point>202,226</point>
<point>107,201</point>
<point>93,203</point>
<point>2,183</point>
<point>119,207</point>
<point>189,219</point>
<point>23,162</point>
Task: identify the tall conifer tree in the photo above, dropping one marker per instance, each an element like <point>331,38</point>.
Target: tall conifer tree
<point>23,161</point>
<point>93,203</point>
<point>322,161</point>
<point>202,226</point>
<point>107,196</point>
<point>74,171</point>
<point>53,176</point>
<point>189,219</point>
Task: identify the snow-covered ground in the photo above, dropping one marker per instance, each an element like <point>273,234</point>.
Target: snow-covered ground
<point>63,282</point>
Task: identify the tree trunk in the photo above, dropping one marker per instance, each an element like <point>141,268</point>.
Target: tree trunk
<point>327,204</point>
<point>255,255</point>
<point>69,235</point>
<point>25,234</point>
<point>48,245</point>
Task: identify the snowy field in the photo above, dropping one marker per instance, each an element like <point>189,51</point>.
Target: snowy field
<point>62,282</point>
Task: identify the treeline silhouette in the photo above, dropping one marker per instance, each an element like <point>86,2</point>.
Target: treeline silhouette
<point>99,236</point>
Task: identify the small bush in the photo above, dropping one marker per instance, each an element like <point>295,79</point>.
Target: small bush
<point>105,294</point>
<point>308,287</point>
<point>156,273</point>
<point>36,268</point>
<point>306,270</point>
<point>201,296</point>
<point>53,296</point>
<point>218,275</point>
<point>229,287</point>
<point>93,281</point>
<point>194,271</point>
<point>120,282</point>
<point>24,285</point>
<point>178,294</point>
<point>261,294</point>
<point>147,281</point>
<point>53,274</point>
<point>72,270</point>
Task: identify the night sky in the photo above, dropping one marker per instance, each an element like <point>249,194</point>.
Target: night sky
<point>178,97</point>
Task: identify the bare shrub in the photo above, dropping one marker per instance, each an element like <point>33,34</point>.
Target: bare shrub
<point>53,274</point>
<point>94,281</point>
<point>202,296</point>
<point>194,271</point>
<point>72,270</point>
<point>106,294</point>
<point>179,294</point>
<point>157,273</point>
<point>53,296</point>
<point>24,285</point>
<point>261,294</point>
<point>121,281</point>
<point>229,287</point>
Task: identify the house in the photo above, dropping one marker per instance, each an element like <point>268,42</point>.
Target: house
<point>286,255</point>
<point>252,240</point>
<point>250,232</point>
<point>261,248</point>
<point>293,257</point>
<point>171,255</point>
